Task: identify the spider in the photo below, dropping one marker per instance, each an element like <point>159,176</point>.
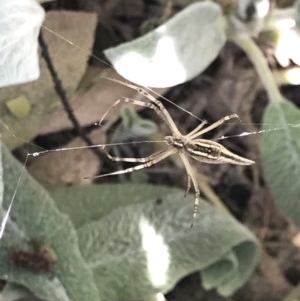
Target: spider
<point>187,146</point>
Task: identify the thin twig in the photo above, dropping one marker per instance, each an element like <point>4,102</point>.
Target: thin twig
<point>63,97</point>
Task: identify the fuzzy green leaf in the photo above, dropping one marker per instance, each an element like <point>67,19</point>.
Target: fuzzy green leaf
<point>20,23</point>
<point>174,52</point>
<point>1,179</point>
<point>297,9</point>
<point>12,292</point>
<point>138,240</point>
<point>35,218</point>
<point>281,156</point>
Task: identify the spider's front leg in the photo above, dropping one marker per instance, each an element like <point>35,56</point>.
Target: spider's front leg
<point>196,133</point>
<point>154,104</point>
<point>163,115</point>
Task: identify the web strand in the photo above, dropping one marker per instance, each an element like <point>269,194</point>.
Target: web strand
<point>101,146</point>
<point>6,215</point>
<point>85,51</point>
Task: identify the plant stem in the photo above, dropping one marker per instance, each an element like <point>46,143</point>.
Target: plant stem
<point>256,57</point>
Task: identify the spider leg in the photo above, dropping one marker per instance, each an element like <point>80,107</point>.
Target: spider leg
<point>191,175</point>
<point>142,160</point>
<point>155,159</point>
<point>197,129</point>
<point>188,186</point>
<point>164,114</point>
<point>212,126</point>
<point>141,104</point>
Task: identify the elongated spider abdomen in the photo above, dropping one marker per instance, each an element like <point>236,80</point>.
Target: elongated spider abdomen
<point>204,150</point>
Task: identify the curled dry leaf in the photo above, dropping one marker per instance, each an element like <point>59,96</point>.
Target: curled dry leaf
<point>70,65</point>
<point>68,167</point>
<point>89,105</point>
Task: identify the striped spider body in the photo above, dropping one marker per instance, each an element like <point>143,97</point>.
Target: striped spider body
<point>204,150</point>
<point>186,146</point>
